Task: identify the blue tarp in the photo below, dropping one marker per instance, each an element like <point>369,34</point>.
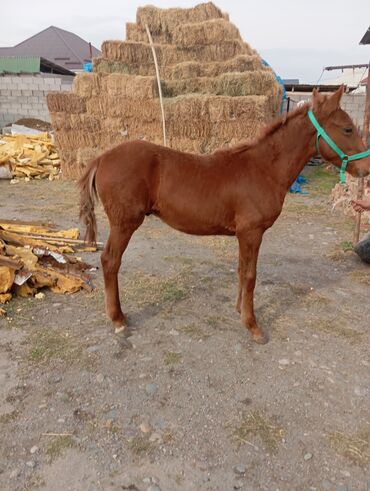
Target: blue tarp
<point>88,67</point>
<point>296,186</point>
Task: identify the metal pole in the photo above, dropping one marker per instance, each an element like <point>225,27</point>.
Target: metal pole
<point>365,133</point>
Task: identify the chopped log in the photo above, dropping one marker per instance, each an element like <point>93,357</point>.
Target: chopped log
<point>6,278</point>
<point>5,297</point>
<point>11,262</point>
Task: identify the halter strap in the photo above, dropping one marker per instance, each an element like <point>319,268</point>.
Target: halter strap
<point>345,158</point>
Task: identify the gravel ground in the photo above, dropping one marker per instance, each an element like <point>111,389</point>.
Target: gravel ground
<point>191,403</point>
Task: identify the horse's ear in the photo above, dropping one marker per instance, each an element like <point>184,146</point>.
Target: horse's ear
<point>317,98</point>
<point>334,99</point>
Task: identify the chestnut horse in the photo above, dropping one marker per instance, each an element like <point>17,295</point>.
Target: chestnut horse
<point>235,191</point>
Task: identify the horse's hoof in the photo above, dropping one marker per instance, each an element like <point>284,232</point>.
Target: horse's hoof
<point>260,338</point>
<point>123,331</point>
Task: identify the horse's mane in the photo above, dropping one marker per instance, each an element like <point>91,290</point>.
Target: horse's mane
<point>270,128</point>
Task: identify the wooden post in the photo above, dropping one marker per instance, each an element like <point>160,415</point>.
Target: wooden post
<point>361,183</point>
<point>158,82</point>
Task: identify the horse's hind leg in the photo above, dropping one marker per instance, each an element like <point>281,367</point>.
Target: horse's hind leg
<point>240,287</point>
<point>118,240</point>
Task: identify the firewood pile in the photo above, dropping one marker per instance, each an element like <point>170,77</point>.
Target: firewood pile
<point>28,157</point>
<point>34,257</point>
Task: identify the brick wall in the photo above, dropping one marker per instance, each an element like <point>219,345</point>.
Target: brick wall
<point>24,96</point>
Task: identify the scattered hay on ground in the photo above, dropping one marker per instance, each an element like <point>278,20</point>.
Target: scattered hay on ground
<point>256,425</point>
<point>59,445</point>
<point>172,358</point>
<point>47,345</point>
<point>337,328</point>
<point>143,288</point>
<point>361,276</point>
<point>194,331</point>
<point>140,445</point>
<point>355,447</point>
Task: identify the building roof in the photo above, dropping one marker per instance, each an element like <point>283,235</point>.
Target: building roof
<point>366,37</point>
<point>30,64</point>
<point>351,77</point>
<point>309,88</point>
<point>56,45</point>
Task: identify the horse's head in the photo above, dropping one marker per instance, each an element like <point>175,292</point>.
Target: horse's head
<point>340,128</point>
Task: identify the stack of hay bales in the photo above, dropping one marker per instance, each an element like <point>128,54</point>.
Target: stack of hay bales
<point>216,90</point>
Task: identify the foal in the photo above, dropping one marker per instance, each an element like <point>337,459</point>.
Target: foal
<point>236,191</point>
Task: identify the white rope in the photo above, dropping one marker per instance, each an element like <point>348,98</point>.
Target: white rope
<point>159,83</point>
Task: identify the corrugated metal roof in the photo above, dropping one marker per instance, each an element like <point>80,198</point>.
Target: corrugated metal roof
<point>57,45</point>
<point>20,64</point>
<point>31,64</point>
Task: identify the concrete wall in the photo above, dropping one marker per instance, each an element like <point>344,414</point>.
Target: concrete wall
<point>353,104</point>
<point>24,96</point>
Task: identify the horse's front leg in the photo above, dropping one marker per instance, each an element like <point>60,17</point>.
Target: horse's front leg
<point>111,261</point>
<point>249,244</point>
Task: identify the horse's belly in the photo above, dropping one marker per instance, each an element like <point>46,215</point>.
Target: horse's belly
<point>195,223</point>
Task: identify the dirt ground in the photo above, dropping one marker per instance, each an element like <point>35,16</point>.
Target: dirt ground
<point>192,404</point>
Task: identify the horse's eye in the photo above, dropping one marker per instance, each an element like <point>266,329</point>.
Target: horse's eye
<point>348,131</point>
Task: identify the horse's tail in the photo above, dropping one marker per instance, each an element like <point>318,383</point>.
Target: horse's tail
<point>88,194</point>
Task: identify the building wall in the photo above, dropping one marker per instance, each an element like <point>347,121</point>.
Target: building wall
<point>353,104</point>
<point>24,96</point>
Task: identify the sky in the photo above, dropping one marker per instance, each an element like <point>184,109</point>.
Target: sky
<point>297,38</point>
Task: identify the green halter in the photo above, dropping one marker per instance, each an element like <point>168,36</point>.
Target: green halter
<point>345,158</point>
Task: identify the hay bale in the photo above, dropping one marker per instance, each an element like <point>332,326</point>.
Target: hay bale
<point>215,52</point>
<point>164,21</point>
<point>83,121</point>
<point>71,140</point>
<point>245,84</point>
<point>192,69</point>
<point>130,52</point>
<point>214,109</point>
<point>104,65</point>
<point>230,84</point>
<point>66,102</point>
<point>118,106</point>
<point>208,32</point>
<point>118,84</point>
<point>134,32</point>
<point>186,69</point>
<point>138,54</point>
<point>87,84</point>
<point>85,155</point>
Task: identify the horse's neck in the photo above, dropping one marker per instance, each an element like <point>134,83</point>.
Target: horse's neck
<point>291,146</point>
